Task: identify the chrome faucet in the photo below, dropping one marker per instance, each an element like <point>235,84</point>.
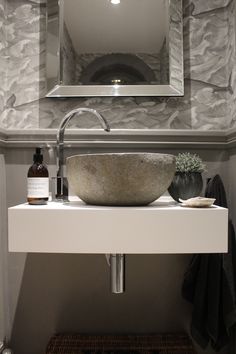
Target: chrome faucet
<point>61,189</point>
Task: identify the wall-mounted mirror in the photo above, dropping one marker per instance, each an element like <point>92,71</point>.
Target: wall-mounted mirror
<point>114,48</point>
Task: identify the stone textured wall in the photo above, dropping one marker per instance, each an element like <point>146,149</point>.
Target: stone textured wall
<point>3,59</point>
<point>209,56</point>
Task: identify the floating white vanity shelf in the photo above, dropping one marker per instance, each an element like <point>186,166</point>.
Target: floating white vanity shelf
<point>161,227</point>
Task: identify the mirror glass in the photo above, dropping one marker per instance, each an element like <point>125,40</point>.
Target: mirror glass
<point>114,48</point>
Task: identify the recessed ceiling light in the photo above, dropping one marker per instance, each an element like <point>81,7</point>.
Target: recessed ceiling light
<point>115,2</point>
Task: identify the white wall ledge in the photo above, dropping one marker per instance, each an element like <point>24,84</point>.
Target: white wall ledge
<point>160,228</point>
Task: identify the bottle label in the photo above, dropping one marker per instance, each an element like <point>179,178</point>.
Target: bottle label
<point>38,187</point>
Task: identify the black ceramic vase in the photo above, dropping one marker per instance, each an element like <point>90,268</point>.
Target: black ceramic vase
<point>186,185</point>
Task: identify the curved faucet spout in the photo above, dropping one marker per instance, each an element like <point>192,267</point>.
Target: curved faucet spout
<point>61,132</point>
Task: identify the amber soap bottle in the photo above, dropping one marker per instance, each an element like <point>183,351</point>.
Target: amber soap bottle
<point>38,181</point>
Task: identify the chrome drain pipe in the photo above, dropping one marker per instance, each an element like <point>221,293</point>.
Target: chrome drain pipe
<point>4,349</point>
<point>117,273</point>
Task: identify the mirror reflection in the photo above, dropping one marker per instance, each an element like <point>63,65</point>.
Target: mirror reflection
<point>115,43</point>
<point>122,46</point>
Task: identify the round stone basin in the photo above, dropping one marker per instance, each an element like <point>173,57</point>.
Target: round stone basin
<point>120,179</point>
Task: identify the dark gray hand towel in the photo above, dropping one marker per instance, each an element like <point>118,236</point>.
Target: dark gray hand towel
<point>215,189</point>
<point>210,285</point>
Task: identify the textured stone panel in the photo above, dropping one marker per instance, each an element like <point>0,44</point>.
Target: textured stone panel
<point>209,56</point>
<point>202,6</point>
<point>26,33</point>
<point>3,59</point>
<point>206,52</point>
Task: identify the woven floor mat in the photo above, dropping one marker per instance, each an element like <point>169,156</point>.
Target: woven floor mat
<point>120,344</point>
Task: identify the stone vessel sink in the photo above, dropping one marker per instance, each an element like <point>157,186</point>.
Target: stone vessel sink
<point>120,178</point>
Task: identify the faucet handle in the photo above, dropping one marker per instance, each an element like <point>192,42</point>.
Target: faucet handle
<point>59,189</point>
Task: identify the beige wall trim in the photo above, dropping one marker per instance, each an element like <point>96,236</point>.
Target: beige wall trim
<point>231,138</point>
<point>3,138</point>
<point>121,138</point>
